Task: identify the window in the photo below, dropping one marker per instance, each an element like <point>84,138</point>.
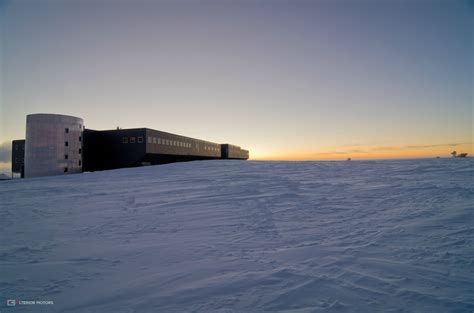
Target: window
<point>140,139</point>
<point>80,163</point>
<point>66,130</point>
<point>66,156</point>
<point>80,138</point>
<point>150,140</point>
<point>80,150</point>
<point>154,140</point>
<point>65,170</point>
<point>159,141</point>
<point>124,139</point>
<point>132,139</point>
<point>66,144</point>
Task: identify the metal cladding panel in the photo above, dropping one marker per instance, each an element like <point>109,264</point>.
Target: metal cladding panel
<point>53,145</point>
<point>18,155</point>
<point>112,149</point>
<point>162,143</point>
<point>234,152</point>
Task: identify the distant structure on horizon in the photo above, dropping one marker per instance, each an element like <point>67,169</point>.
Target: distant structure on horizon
<point>60,144</point>
<point>460,155</point>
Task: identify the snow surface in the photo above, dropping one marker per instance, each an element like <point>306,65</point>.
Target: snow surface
<point>235,236</point>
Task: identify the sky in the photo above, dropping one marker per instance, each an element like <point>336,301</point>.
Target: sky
<point>288,80</point>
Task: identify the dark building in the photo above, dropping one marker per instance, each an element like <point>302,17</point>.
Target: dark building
<point>18,157</point>
<point>233,152</point>
<point>111,149</point>
<point>59,144</point>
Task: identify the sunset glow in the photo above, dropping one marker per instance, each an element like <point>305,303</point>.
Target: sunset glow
<point>287,80</point>
<point>375,152</point>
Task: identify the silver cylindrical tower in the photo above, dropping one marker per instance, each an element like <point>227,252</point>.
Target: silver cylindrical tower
<point>53,145</point>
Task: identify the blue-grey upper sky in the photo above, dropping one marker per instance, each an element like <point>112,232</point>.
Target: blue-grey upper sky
<point>286,79</point>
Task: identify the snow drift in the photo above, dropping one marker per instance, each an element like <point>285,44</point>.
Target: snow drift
<point>233,236</point>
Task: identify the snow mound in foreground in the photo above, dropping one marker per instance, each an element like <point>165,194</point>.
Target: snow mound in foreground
<point>233,236</point>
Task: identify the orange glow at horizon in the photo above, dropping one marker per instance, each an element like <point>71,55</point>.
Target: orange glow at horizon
<point>385,152</point>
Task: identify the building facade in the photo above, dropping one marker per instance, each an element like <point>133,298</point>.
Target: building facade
<point>59,144</point>
<point>111,149</point>
<point>18,157</point>
<point>53,145</point>
<point>233,152</point>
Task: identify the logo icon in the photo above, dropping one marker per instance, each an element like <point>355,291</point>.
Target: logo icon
<point>11,302</point>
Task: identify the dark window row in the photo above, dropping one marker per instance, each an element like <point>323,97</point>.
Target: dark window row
<point>208,148</point>
<point>138,139</point>
<point>168,142</point>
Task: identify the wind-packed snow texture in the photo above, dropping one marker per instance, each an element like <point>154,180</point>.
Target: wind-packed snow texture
<point>235,236</point>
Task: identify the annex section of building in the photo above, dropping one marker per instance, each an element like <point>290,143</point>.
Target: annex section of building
<point>60,144</point>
